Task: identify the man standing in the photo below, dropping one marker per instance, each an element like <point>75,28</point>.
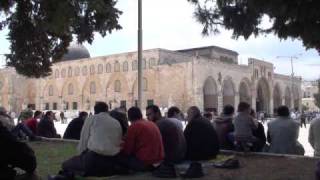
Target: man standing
<point>314,135</point>
<point>99,145</point>
<point>75,126</point>
<point>172,135</point>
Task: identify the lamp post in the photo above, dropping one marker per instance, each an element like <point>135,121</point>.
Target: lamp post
<point>140,53</point>
<point>292,72</point>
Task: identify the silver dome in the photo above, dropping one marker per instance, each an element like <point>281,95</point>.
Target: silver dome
<point>76,51</point>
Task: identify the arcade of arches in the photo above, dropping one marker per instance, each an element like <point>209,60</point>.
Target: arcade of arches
<point>260,95</point>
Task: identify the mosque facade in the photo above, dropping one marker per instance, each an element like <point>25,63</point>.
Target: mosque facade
<point>208,77</point>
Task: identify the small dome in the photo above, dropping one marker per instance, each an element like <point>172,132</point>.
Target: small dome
<point>76,51</point>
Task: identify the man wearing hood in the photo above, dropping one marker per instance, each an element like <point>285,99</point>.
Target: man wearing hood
<point>224,127</point>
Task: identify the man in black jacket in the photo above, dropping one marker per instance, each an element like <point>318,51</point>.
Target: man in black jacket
<point>74,128</point>
<point>14,154</point>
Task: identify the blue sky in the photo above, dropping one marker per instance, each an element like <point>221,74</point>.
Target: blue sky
<point>170,24</point>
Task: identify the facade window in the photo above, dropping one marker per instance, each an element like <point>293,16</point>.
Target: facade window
<point>63,73</point>
<point>150,102</point>
<point>256,73</point>
<point>77,71</point>
<point>134,65</point>
<point>54,106</point>
<point>116,66</point>
<point>123,104</point>
<point>92,70</point>
<point>100,69</point>
<point>152,62</point>
<point>108,68</point>
<point>125,66</point>
<point>56,73</point>
<point>84,70</point>
<point>136,103</point>
<point>144,63</point>
<point>117,86</point>
<point>92,88</point>
<point>50,93</point>
<point>70,89</point>
<point>69,72</point>
<point>145,84</point>
<point>74,105</point>
<point>47,106</point>
<point>269,75</point>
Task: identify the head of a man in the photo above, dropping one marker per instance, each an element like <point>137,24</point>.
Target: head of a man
<point>153,113</point>
<point>83,115</point>
<point>134,114</point>
<point>49,115</point>
<point>283,111</point>
<point>100,107</point>
<point>37,115</point>
<point>193,113</point>
<point>228,110</point>
<point>174,112</point>
<point>244,107</point>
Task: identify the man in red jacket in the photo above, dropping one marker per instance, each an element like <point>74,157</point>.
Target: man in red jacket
<point>32,123</point>
<point>143,144</point>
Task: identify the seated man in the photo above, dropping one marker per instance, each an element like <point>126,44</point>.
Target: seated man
<point>46,126</point>
<point>99,145</point>
<point>143,144</point>
<point>201,137</point>
<point>75,126</point>
<point>19,131</point>
<point>244,125</point>
<point>223,126</point>
<point>175,115</point>
<point>14,154</point>
<point>32,123</point>
<point>172,135</point>
<point>283,133</point>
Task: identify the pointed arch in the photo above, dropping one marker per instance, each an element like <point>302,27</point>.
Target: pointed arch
<point>228,91</point>
<point>263,95</point>
<point>277,96</point>
<point>210,95</point>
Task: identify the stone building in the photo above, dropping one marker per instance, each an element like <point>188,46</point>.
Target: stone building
<point>309,88</point>
<point>209,77</point>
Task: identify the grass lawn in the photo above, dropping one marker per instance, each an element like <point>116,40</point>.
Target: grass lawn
<point>253,167</point>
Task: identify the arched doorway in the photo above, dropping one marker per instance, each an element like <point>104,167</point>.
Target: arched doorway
<point>263,96</point>
<point>244,92</point>
<point>210,95</point>
<point>277,100</point>
<point>287,97</point>
<point>228,92</point>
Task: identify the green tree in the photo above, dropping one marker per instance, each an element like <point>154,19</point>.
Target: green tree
<point>297,19</point>
<point>317,95</point>
<point>41,30</point>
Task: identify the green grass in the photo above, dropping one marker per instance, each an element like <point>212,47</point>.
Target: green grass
<point>51,155</point>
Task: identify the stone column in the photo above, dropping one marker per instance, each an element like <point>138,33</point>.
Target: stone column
<point>271,106</point>
<point>254,99</point>
<point>283,100</point>
<point>41,104</point>
<point>236,99</point>
<point>220,102</point>
<point>60,103</point>
<point>198,97</point>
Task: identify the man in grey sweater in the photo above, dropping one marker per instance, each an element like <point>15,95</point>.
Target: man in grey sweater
<point>283,134</point>
<point>314,135</point>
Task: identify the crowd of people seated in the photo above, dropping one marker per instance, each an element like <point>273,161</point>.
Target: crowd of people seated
<point>109,145</point>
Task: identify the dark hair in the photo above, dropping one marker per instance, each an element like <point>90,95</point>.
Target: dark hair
<point>243,106</point>
<point>283,111</point>
<point>47,114</point>
<point>228,110</point>
<point>134,114</point>
<point>100,107</point>
<point>83,114</point>
<point>207,115</point>
<point>252,112</point>
<point>172,111</point>
<point>37,113</point>
<point>122,119</point>
<point>154,108</point>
